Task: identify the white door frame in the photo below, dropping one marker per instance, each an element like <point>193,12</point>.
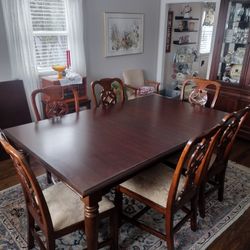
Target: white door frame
<point>163,31</point>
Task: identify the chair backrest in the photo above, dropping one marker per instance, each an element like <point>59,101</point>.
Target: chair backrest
<point>194,159</point>
<point>197,94</point>
<point>134,77</point>
<point>111,91</point>
<point>35,201</point>
<point>231,125</point>
<point>53,101</point>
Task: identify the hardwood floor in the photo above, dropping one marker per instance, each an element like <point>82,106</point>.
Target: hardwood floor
<point>236,237</point>
<point>8,175</point>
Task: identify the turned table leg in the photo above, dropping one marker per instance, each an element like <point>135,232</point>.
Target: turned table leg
<point>91,221</point>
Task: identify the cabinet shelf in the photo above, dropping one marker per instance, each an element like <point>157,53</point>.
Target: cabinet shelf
<point>177,30</point>
<point>232,34</point>
<point>186,19</point>
<point>178,43</point>
<point>235,43</point>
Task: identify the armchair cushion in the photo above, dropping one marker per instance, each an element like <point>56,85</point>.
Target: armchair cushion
<point>134,77</point>
<point>146,90</point>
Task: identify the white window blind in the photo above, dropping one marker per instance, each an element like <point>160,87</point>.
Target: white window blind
<point>206,37</point>
<point>50,32</point>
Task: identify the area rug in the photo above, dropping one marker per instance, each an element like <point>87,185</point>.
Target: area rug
<point>219,216</point>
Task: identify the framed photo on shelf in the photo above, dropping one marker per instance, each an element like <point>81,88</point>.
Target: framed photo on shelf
<point>123,33</point>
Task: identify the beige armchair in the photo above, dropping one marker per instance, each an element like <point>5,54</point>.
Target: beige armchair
<point>136,85</point>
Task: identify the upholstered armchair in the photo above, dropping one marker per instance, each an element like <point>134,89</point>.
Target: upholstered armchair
<point>136,85</point>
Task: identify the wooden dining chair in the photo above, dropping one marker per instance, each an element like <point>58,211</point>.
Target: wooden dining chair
<point>195,91</point>
<point>56,210</point>
<point>215,175</point>
<point>107,91</point>
<point>167,191</point>
<point>53,101</point>
<point>54,105</point>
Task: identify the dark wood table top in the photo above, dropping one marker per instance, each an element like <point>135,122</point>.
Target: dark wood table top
<point>96,148</point>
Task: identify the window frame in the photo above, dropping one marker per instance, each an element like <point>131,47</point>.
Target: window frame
<point>48,33</point>
<point>201,35</point>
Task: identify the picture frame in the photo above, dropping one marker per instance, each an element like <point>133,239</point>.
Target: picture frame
<point>123,33</point>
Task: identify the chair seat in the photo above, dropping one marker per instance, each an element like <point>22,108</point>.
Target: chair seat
<point>146,90</point>
<point>66,207</point>
<point>211,162</point>
<point>153,184</point>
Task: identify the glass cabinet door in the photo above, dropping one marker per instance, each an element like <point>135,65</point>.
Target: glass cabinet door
<point>235,42</point>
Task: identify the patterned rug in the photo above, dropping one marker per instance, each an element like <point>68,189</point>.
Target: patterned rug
<point>219,216</point>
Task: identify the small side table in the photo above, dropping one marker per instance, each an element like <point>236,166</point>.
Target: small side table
<point>84,101</point>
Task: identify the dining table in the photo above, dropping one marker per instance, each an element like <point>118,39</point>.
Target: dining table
<point>95,150</point>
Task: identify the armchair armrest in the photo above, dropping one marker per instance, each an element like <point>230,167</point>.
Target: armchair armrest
<point>132,88</point>
<point>152,83</point>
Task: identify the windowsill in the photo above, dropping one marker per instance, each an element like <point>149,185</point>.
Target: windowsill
<point>47,73</point>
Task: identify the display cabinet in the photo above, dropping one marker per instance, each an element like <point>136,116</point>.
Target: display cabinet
<point>235,42</point>
<point>231,58</point>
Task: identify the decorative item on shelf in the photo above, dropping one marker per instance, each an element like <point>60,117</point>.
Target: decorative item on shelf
<point>186,12</point>
<point>181,26</point>
<point>235,57</point>
<point>60,69</point>
<point>180,77</point>
<point>235,71</point>
<point>209,14</point>
<point>239,55</point>
<point>183,62</point>
<point>240,35</point>
<point>191,26</point>
<point>184,39</point>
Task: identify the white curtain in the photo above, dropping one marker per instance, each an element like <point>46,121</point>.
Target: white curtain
<point>20,41</point>
<point>74,9</point>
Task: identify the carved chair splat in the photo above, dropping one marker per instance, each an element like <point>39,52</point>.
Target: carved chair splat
<point>54,101</point>
<point>112,89</point>
<point>198,94</point>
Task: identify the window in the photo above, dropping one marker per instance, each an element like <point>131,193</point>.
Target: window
<point>50,33</point>
<point>207,30</point>
<point>206,39</point>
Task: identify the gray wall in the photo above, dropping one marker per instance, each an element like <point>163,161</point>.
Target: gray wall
<point>5,70</point>
<point>98,65</point>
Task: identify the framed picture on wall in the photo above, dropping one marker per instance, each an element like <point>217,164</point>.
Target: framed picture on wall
<point>123,33</point>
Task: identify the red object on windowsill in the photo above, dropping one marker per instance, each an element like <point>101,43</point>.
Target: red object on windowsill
<point>68,58</point>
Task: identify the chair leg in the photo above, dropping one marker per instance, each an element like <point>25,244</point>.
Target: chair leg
<point>49,177</point>
<point>169,231</point>
<point>221,186</point>
<point>51,244</point>
<point>31,228</point>
<point>194,214</point>
<point>202,201</point>
<point>114,229</point>
<point>118,205</point>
